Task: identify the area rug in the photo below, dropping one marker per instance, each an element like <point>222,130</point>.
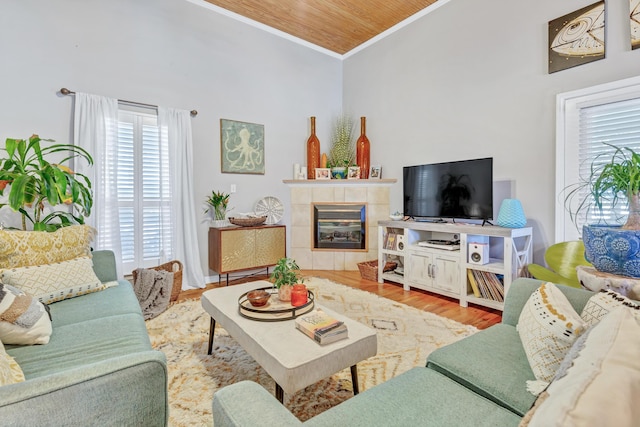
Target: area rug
<point>406,336</point>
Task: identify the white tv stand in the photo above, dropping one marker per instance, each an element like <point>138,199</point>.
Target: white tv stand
<point>446,272</point>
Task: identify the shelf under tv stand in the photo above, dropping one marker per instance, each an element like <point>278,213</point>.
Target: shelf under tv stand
<point>446,272</point>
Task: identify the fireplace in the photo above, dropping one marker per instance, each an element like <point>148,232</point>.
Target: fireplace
<point>339,226</point>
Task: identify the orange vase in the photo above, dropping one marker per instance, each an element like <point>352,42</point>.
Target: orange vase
<point>313,151</point>
<point>363,149</point>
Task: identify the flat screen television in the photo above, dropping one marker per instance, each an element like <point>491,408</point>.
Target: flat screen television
<point>457,190</point>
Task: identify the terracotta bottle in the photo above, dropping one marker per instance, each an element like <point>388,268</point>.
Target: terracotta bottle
<point>362,150</point>
<point>313,151</point>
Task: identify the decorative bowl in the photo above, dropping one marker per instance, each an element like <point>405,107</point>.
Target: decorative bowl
<point>258,298</point>
<point>396,216</point>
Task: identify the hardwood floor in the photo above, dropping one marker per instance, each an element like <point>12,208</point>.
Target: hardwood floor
<point>477,316</point>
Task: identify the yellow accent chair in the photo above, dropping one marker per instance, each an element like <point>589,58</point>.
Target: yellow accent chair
<point>562,259</point>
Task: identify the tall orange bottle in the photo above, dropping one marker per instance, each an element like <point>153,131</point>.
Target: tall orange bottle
<point>363,149</point>
<point>313,151</point>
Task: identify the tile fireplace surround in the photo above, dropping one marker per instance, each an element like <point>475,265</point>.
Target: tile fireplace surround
<point>374,193</point>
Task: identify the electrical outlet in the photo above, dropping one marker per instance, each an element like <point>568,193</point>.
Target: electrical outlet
<point>233,188</point>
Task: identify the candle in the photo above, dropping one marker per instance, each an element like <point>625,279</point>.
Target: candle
<point>298,295</point>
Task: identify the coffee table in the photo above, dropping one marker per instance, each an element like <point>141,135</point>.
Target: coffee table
<point>291,358</point>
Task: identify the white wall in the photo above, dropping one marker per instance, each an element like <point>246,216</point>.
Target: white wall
<point>470,80</point>
<point>173,53</point>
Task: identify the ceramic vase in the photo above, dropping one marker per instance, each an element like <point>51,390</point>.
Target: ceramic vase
<point>313,151</point>
<point>511,214</point>
<point>363,149</point>
<point>284,292</point>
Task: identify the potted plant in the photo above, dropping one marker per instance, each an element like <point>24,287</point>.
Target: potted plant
<point>342,152</point>
<point>284,276</point>
<point>216,208</point>
<point>34,182</point>
<point>610,248</point>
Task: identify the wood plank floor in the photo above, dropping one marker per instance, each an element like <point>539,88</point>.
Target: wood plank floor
<point>477,316</point>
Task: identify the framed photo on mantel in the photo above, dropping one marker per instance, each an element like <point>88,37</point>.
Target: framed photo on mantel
<point>376,172</point>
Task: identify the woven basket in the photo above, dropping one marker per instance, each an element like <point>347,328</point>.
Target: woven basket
<point>369,269</point>
<point>248,222</point>
<point>174,267</point>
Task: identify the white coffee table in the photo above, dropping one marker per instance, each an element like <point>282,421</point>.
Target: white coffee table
<point>291,358</point>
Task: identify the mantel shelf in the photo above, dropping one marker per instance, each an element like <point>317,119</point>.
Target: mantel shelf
<point>383,181</point>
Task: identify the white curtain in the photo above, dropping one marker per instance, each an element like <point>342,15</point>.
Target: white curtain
<point>96,130</point>
<point>175,126</point>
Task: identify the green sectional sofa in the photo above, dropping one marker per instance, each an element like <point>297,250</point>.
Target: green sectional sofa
<point>97,369</point>
<point>479,380</point>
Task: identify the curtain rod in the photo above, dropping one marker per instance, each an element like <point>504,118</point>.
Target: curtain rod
<point>66,91</point>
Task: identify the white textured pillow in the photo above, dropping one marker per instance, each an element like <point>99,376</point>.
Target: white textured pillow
<point>548,326</point>
<point>10,371</point>
<point>23,319</point>
<point>602,386</point>
<point>602,303</point>
<point>55,282</point>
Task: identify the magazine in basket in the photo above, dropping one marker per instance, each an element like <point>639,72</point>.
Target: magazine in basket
<point>321,327</point>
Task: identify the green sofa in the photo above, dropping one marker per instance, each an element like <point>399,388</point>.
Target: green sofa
<point>98,367</point>
<point>479,380</point>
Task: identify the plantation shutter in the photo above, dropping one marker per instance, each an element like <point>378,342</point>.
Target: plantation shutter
<point>615,123</point>
<point>143,191</point>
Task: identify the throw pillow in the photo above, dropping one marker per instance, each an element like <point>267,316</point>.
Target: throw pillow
<point>548,326</point>
<point>23,319</point>
<point>55,282</point>
<point>23,248</point>
<point>602,303</point>
<point>10,372</point>
<point>602,385</point>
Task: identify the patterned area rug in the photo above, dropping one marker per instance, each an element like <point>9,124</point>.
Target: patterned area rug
<point>405,337</point>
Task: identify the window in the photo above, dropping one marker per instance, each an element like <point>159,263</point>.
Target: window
<point>585,120</point>
<point>143,190</point>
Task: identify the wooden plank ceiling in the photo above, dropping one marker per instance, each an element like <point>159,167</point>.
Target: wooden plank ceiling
<point>336,25</point>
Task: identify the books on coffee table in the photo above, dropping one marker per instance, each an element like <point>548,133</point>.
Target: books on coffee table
<point>321,327</point>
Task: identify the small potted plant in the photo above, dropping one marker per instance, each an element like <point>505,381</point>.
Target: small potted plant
<point>284,276</point>
<point>342,153</point>
<point>216,208</point>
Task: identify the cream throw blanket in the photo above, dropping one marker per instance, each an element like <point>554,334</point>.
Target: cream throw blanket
<point>153,289</point>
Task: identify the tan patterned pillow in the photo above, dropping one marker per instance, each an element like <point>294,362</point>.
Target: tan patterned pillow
<point>548,326</point>
<point>23,319</point>
<point>55,282</point>
<point>10,371</point>
<point>23,248</point>
<point>602,303</point>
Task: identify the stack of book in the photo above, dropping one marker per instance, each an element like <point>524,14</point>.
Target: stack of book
<point>321,327</point>
<point>391,241</point>
<point>486,284</point>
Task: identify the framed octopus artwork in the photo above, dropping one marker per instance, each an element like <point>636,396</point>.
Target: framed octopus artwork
<point>241,147</point>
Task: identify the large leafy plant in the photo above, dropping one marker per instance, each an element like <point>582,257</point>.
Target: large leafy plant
<point>33,182</point>
<point>609,183</point>
<point>342,152</point>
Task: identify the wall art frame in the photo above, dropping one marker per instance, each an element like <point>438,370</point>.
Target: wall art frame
<point>577,38</point>
<point>241,147</point>
<point>634,22</point>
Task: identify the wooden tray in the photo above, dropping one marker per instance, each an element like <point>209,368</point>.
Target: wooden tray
<point>275,310</point>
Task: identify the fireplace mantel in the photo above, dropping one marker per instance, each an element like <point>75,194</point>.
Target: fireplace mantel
<point>340,182</point>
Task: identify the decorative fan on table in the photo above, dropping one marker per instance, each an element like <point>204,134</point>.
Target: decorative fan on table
<point>272,208</point>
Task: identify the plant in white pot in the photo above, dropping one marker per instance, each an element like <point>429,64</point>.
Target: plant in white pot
<point>610,248</point>
<point>285,275</point>
<point>217,206</point>
<point>342,153</point>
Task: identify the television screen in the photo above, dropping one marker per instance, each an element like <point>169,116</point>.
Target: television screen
<point>462,189</point>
